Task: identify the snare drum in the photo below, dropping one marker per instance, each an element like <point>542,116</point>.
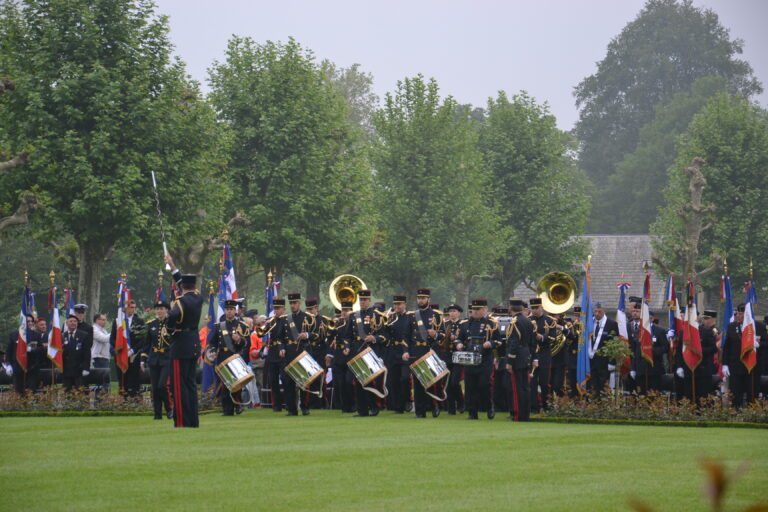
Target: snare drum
<point>304,370</point>
<point>366,366</point>
<point>234,373</point>
<point>430,369</point>
<point>465,358</point>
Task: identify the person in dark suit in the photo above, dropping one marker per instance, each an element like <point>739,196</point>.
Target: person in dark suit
<point>545,332</point>
<point>275,353</point>
<point>156,356</point>
<point>76,355</point>
<point>426,324</point>
<point>700,380</point>
<point>231,336</point>
<point>183,320</point>
<point>520,345</point>
<point>741,379</point>
<point>600,370</point>
<point>398,333</point>
<point>130,382</point>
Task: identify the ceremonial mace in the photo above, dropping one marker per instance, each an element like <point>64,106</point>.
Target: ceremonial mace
<point>160,218</point>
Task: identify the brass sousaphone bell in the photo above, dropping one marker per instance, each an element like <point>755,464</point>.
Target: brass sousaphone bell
<point>345,288</point>
<point>557,291</point>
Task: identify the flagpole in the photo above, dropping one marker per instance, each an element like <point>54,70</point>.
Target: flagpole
<point>26,324</point>
<point>52,275</point>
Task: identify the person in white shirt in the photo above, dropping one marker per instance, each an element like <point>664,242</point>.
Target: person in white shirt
<point>100,348</point>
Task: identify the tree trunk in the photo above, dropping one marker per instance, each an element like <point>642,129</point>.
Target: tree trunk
<point>462,290</point>
<point>92,255</point>
<point>241,274</point>
<point>410,285</point>
<point>508,288</point>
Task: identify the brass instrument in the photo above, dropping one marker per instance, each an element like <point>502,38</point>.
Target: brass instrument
<point>345,289</point>
<point>557,291</point>
<point>559,341</point>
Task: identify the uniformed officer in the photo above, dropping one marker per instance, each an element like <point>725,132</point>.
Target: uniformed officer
<point>274,352</point>
<point>156,356</point>
<point>398,372</point>
<point>426,324</point>
<point>230,337</point>
<point>365,330</point>
<point>295,331</point>
<point>700,380</point>
<point>546,331</point>
<point>572,351</point>
<point>741,379</point>
<point>500,381</point>
<point>317,349</point>
<point>451,320</point>
<point>76,354</point>
<point>479,334</point>
<point>337,358</point>
<point>183,320</point>
<point>521,343</point>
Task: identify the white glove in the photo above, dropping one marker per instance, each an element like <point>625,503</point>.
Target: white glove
<point>757,342</point>
<point>726,371</point>
<point>86,373</point>
<point>611,367</point>
<point>680,373</point>
<point>8,369</point>
<point>29,349</point>
<point>633,374</point>
<point>130,352</point>
<point>670,334</point>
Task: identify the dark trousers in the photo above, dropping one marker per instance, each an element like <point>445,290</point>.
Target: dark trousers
<point>598,379</point>
<point>159,378</point>
<point>273,371</point>
<point>342,388</point>
<point>130,383</point>
<point>184,389</point>
<point>477,380</point>
<point>703,386</point>
<point>228,400</point>
<point>570,377</point>
<point>101,371</point>
<point>398,383</point>
<point>521,395</point>
<point>558,379</point>
<point>365,401</point>
<point>739,385</point>
<point>72,383</point>
<point>19,379</point>
<point>421,401</point>
<point>501,388</point>
<point>541,379</point>
<point>454,400</point>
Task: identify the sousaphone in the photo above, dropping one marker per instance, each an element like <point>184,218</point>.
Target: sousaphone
<point>345,288</point>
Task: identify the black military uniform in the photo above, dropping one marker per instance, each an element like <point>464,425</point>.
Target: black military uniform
<point>701,378</point>
<point>318,349</point>
<point>361,324</point>
<point>420,342</point>
<point>76,357</point>
<point>130,382</point>
<point>521,343</point>
<point>501,388</point>
<point>398,377</point>
<point>742,379</point>
<point>183,319</point>
<point>572,352</point>
<point>37,357</point>
<point>337,346</point>
<point>545,326</point>
<point>473,334</point>
<point>605,328</point>
<point>560,358</point>
<point>287,332</point>
<point>222,341</point>
<point>274,360</point>
<point>648,377</point>
<point>156,355</point>
<point>455,401</point>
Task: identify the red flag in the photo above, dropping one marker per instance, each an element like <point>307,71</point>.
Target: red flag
<point>692,354</point>
<point>646,338</point>
<point>21,340</point>
<point>122,338</point>
<point>748,354</point>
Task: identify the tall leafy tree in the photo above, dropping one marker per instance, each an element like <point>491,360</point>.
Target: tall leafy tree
<point>433,195</point>
<point>96,98</point>
<point>635,192</point>
<point>298,168</point>
<point>663,51</point>
<point>729,140</point>
<point>540,194</point>
<point>356,87</point>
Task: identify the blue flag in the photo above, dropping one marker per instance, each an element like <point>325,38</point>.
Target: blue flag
<point>582,358</point>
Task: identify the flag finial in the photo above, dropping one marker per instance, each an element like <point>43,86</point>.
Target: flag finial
<point>225,235</point>
<point>210,286</point>
<point>725,264</point>
<point>646,267</point>
<point>750,269</point>
<point>26,278</point>
<point>160,277</point>
<point>52,275</point>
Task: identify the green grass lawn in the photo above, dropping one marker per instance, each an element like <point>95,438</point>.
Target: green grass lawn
<point>266,461</point>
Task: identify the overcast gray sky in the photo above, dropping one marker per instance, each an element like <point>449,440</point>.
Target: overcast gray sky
<point>473,49</point>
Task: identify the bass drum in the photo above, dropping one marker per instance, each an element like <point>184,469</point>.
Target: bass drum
<point>304,371</point>
<point>234,373</point>
<point>366,367</point>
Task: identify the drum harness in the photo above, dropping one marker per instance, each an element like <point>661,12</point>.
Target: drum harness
<point>225,334</point>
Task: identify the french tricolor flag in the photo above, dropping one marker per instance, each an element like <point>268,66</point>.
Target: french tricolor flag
<point>123,337</point>
<point>691,337</point>
<point>55,343</point>
<point>646,338</point>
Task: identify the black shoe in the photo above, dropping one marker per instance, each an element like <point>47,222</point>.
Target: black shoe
<point>472,416</point>
<point>360,416</point>
<point>491,414</point>
<point>277,409</point>
<point>451,413</point>
<point>227,414</point>
<point>421,415</point>
<point>169,414</point>
<point>239,409</point>
<point>435,412</point>
<point>375,411</point>
<point>409,407</point>
<point>305,412</point>
<point>399,412</point>
<point>462,409</point>
<point>158,417</point>
<point>292,413</point>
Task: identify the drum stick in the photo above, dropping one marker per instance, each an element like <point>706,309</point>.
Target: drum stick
<point>160,218</point>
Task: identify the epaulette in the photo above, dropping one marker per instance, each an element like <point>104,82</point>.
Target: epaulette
<point>438,312</point>
<point>327,319</point>
<point>409,312</point>
<point>310,314</point>
<point>463,321</point>
<point>283,316</point>
<point>376,311</point>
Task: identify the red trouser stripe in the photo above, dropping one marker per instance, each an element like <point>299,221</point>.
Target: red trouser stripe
<point>514,397</point>
<point>178,413</point>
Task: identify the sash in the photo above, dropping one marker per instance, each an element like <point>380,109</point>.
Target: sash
<point>226,335</point>
<point>292,327</point>
<point>359,326</point>
<point>420,325</point>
